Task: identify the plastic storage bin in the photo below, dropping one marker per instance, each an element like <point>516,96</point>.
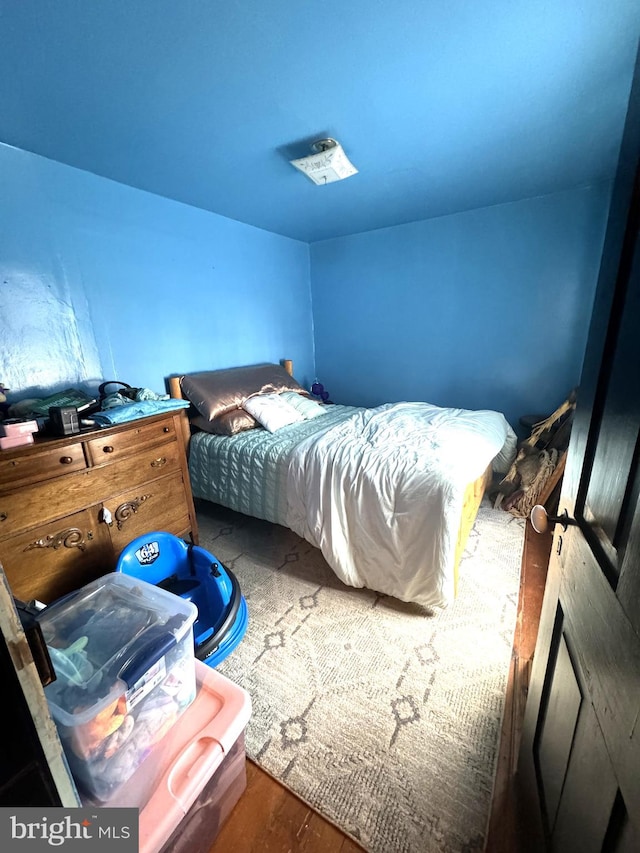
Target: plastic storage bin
<point>199,828</point>
<point>122,650</point>
<point>191,781</point>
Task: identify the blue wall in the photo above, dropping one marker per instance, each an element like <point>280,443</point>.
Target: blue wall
<point>484,309</point>
<point>46,334</point>
<point>101,281</point>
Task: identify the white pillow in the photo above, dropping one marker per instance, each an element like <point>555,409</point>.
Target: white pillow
<point>307,408</point>
<point>271,411</point>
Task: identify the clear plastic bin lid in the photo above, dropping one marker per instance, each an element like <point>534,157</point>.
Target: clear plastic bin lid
<point>105,636</point>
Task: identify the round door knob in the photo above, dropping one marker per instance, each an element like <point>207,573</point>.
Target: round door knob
<point>540,519</point>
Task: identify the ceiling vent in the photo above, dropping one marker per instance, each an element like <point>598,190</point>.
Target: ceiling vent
<point>327,164</point>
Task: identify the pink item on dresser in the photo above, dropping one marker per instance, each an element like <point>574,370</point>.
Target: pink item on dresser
<point>7,442</point>
<point>12,428</point>
<point>14,433</point>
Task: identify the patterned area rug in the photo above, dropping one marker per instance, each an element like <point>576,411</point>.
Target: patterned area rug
<point>382,715</point>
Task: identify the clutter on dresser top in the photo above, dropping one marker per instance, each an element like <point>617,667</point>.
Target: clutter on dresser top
<point>72,411</point>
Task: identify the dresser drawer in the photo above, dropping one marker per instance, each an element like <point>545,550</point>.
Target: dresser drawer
<point>35,465</point>
<point>54,559</point>
<point>159,505</point>
<point>108,448</point>
<point>44,502</point>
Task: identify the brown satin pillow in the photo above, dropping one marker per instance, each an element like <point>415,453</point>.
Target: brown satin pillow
<point>215,392</point>
<point>229,423</point>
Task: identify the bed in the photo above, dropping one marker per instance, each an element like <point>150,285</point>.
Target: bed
<point>388,494</point>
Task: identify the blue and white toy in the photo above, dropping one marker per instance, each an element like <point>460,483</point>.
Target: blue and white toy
<point>196,575</point>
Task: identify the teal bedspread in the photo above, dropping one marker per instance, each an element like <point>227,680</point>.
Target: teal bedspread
<point>247,472</point>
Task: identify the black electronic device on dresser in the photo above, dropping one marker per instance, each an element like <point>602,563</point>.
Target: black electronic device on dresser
<point>63,420</point>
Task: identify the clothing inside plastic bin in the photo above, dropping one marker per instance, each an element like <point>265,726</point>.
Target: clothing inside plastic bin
<point>122,650</point>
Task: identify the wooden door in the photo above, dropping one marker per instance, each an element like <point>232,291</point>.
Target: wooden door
<point>580,754</point>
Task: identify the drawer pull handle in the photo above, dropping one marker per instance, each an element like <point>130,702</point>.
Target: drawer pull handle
<point>72,537</point>
<point>166,429</point>
<point>127,509</point>
<point>66,460</point>
<point>158,463</point>
<point>108,448</point>
<point>4,516</point>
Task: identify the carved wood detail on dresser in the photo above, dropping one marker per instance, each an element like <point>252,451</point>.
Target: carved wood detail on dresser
<point>69,505</point>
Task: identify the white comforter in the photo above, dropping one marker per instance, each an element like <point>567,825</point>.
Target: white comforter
<point>381,494</point>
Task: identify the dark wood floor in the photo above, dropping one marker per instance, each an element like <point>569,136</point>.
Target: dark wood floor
<point>271,819</point>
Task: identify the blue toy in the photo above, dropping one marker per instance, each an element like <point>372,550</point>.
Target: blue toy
<point>196,575</point>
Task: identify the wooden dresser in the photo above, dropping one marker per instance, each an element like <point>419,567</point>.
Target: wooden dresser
<point>69,505</point>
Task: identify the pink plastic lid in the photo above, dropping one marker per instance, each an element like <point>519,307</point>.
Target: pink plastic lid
<point>172,776</point>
